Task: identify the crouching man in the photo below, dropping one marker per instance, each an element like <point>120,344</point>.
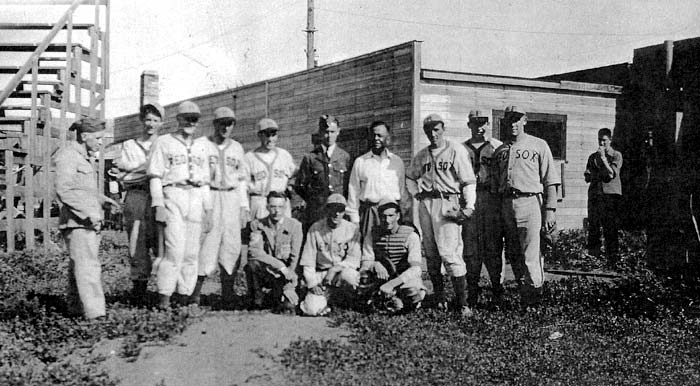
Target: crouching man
<point>273,254</point>
<point>331,259</point>
<point>391,260</point>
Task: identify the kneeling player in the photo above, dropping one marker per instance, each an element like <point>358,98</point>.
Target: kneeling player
<point>391,260</point>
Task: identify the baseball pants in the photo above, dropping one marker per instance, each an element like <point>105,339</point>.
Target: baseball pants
<point>139,218</point>
<point>522,221</point>
<point>411,291</point>
<point>442,239</point>
<point>223,242</point>
<point>258,207</point>
<point>182,233</point>
<point>84,272</point>
<point>483,239</point>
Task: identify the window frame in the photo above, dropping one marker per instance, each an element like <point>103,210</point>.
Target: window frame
<point>498,115</point>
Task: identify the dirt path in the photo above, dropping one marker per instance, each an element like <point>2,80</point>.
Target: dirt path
<point>223,349</point>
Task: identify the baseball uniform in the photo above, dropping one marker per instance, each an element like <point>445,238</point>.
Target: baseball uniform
<point>80,217</point>
<point>228,191</point>
<point>269,171</point>
<point>180,174</point>
<point>139,217</point>
<point>483,232</point>
<point>521,171</point>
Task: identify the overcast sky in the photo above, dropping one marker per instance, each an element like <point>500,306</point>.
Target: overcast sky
<point>203,46</point>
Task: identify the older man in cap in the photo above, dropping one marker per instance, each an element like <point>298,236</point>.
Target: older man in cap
<point>180,171</point>
<point>441,177</point>
<point>138,215</point>
<point>524,170</point>
<point>322,172</point>
<point>391,260</point>
<point>483,232</point>
<point>331,257</point>
<point>273,255</point>
<point>270,167</point>
<point>229,197</point>
<point>81,216</point>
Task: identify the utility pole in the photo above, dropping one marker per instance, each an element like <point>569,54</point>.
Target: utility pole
<point>310,48</point>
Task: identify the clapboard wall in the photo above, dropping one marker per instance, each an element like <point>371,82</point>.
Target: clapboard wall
<point>587,107</point>
<point>376,86</point>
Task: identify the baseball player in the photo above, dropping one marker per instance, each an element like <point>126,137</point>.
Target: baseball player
<point>273,250</point>
<point>180,171</point>
<point>604,192</point>
<point>323,171</point>
<point>81,216</point>
<point>482,233</point>
<point>138,215</point>
<point>270,169</point>
<point>442,179</point>
<point>391,260</point>
<point>523,170</point>
<point>331,257</point>
<point>229,197</point>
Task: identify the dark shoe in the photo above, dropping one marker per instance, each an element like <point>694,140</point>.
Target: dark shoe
<point>195,297</point>
<point>164,302</point>
<point>138,292</point>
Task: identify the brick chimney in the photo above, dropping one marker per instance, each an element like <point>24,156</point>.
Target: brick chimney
<point>149,87</point>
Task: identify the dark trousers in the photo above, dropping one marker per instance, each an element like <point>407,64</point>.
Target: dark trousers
<point>603,213</point>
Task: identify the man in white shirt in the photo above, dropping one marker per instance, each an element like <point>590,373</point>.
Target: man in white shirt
<point>376,174</point>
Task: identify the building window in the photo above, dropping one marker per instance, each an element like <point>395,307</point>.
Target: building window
<point>550,127</point>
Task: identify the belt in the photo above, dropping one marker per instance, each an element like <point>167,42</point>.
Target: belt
<point>183,185</point>
<point>143,187</point>
<point>434,194</point>
<point>223,189</point>
<point>515,193</point>
<point>368,203</point>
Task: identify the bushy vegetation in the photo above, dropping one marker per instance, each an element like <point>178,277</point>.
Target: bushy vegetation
<point>41,345</point>
<point>643,329</point>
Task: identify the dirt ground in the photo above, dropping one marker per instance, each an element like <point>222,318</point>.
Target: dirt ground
<point>224,349</point>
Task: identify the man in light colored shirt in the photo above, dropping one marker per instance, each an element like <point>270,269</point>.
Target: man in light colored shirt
<point>376,174</point>
<point>391,261</point>
<point>331,257</point>
<point>138,214</point>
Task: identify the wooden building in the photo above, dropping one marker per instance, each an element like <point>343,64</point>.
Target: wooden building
<point>392,86</point>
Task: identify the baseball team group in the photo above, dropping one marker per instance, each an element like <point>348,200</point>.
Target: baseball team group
<point>195,205</point>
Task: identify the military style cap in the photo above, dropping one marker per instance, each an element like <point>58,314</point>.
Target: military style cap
<point>87,125</point>
<point>514,110</point>
<point>159,110</point>
<point>188,108</point>
<point>336,199</point>
<point>326,120</point>
<point>432,120</point>
<point>478,116</point>
<point>224,114</point>
<point>386,203</point>
<point>266,123</point>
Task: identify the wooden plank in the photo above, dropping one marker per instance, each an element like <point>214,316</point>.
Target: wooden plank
<point>9,200</point>
<point>77,107</point>
<point>36,223</point>
<point>46,189</point>
<point>93,69</point>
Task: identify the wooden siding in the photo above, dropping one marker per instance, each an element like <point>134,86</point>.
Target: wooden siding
<point>376,86</point>
<point>585,114</point>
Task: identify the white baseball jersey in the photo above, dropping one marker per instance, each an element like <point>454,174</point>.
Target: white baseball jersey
<point>230,169</point>
<point>269,171</point>
<point>133,161</point>
<point>526,165</point>
<point>444,170</point>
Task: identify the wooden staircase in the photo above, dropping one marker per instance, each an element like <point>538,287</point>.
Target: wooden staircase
<point>64,78</point>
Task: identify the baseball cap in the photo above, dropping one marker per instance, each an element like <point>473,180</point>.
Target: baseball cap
<point>188,108</point>
<point>514,110</point>
<point>336,199</point>
<point>150,107</point>
<point>478,116</point>
<point>224,114</point>
<point>265,124</point>
<point>87,125</point>
<point>386,203</point>
<point>432,120</point>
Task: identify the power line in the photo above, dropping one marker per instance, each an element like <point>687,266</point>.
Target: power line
<point>458,26</point>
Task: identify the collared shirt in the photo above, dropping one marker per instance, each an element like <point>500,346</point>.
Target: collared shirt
<point>482,160</point>
<point>600,180</point>
<point>326,247</point>
<point>526,166</point>
<point>444,169</point>
<point>230,170</point>
<point>374,177</point>
<point>175,161</point>
<point>269,171</point>
<point>77,188</point>
<point>133,161</point>
<point>281,241</point>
